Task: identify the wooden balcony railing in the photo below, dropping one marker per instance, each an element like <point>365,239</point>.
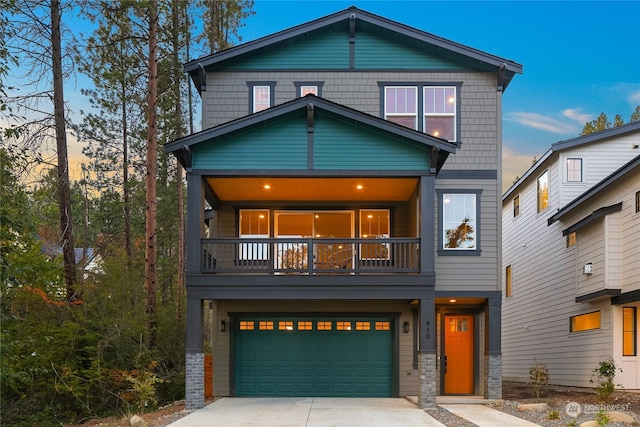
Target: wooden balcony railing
<point>311,256</point>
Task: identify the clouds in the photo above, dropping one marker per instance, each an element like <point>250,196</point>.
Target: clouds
<point>576,115</point>
<point>634,98</point>
<point>542,122</point>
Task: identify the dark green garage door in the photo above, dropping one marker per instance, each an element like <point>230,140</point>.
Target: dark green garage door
<point>280,356</point>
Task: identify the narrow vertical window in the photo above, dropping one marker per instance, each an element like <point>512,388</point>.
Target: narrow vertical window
<point>572,239</point>
<point>261,98</point>
<point>401,105</point>
<point>440,112</point>
<point>629,331</point>
<point>516,206</point>
<point>574,170</point>
<point>637,201</point>
<point>543,191</point>
<point>508,284</point>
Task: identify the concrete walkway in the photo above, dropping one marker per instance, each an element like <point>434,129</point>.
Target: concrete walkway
<point>308,412</point>
<point>483,416</point>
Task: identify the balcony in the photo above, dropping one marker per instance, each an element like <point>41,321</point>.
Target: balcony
<point>310,256</point>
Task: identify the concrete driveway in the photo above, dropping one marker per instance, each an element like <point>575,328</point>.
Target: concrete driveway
<point>308,412</point>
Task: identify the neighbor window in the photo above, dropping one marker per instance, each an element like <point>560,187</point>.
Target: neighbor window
<point>585,322</point>
<point>440,112</point>
<point>401,105</point>
<point>260,95</point>
<point>459,221</point>
<point>637,201</point>
<point>508,283</point>
<point>572,239</point>
<point>516,206</point>
<point>574,170</point>
<point>629,333</point>
<point>543,191</point>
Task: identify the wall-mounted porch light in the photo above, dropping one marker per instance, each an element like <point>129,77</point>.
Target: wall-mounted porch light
<point>406,327</point>
<point>223,326</point>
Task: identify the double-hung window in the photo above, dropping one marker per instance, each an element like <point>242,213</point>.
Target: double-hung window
<point>260,95</point>
<point>429,108</point>
<point>440,112</point>
<point>459,222</point>
<point>574,170</point>
<point>401,105</point>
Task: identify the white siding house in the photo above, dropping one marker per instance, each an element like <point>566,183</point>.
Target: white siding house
<point>571,260</point>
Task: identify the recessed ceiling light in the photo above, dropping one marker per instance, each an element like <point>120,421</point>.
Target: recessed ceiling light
<point>452,300</point>
<point>359,187</point>
<point>267,186</point>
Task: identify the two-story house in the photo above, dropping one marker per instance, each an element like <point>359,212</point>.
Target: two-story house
<point>571,259</point>
<point>344,214</point>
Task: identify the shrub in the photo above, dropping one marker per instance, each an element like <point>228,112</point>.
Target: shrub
<point>605,373</point>
<point>539,376</point>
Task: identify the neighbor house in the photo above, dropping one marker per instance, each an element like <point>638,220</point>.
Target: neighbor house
<point>343,226</point>
<point>571,259</point>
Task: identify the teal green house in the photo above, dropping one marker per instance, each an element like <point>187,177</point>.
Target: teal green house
<point>343,215</point>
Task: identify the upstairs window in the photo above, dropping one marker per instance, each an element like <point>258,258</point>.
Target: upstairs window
<point>516,206</point>
<point>260,95</point>
<point>401,105</point>
<point>572,239</point>
<point>585,322</point>
<point>440,112</point>
<point>543,191</point>
<point>305,88</point>
<point>637,201</point>
<point>574,170</point>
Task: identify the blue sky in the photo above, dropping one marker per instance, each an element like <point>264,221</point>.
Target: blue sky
<point>580,58</point>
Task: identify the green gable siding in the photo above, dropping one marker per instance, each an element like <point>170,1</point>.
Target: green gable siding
<point>324,50</point>
<point>374,51</point>
<point>341,145</point>
<point>279,145</point>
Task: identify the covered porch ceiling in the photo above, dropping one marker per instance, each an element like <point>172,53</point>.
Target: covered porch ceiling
<point>316,189</point>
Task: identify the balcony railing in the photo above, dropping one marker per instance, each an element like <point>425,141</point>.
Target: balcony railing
<point>311,256</point>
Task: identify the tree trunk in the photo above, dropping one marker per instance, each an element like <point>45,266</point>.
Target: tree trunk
<point>151,189</point>
<point>181,219</point>
<point>64,191</point>
<point>125,176</point>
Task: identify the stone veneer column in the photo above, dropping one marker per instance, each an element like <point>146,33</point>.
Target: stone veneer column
<point>194,380</point>
<point>427,380</point>
<point>493,376</point>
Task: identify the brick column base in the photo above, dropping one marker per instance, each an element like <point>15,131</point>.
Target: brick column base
<point>427,380</point>
<point>194,381</point>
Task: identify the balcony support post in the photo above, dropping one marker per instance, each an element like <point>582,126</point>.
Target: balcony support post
<point>427,224</point>
<point>194,362</point>
<point>195,222</point>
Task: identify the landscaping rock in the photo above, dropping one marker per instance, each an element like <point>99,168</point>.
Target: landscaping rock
<point>540,407</point>
<point>137,421</point>
<point>590,424</point>
<point>621,417</point>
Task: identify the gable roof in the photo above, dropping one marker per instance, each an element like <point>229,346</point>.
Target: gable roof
<point>572,143</point>
<point>505,68</point>
<point>601,186</point>
<point>439,147</point>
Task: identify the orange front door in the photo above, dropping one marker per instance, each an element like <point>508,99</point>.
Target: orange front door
<point>458,354</point>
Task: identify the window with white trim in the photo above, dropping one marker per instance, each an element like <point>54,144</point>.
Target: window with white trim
<point>516,206</point>
<point>543,191</point>
<point>308,87</point>
<point>401,105</point>
<point>440,111</point>
<point>261,98</point>
<point>459,221</point>
<point>574,170</point>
